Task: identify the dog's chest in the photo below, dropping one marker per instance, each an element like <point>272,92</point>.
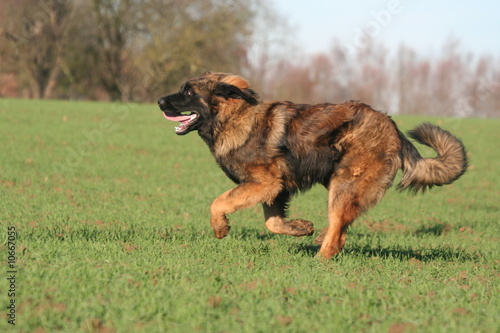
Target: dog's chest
<point>240,164</point>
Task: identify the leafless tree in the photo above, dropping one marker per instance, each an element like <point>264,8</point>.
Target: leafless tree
<point>35,35</point>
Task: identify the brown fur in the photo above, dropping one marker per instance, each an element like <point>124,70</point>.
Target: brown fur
<point>272,150</point>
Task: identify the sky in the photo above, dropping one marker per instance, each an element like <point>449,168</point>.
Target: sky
<point>423,25</point>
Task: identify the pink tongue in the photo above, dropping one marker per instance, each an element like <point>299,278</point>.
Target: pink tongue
<point>177,118</point>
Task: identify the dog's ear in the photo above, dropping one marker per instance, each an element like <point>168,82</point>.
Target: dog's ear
<point>229,91</point>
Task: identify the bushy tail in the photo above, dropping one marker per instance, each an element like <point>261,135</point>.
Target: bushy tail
<point>421,173</point>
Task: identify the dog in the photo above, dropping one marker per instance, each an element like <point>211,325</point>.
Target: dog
<point>272,150</point>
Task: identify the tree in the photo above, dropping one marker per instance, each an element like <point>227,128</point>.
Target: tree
<point>114,23</point>
<point>36,33</point>
<point>129,49</point>
<point>182,38</point>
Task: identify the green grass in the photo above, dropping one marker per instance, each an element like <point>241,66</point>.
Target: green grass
<point>111,210</point>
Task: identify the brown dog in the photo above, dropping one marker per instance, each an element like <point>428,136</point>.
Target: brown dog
<point>273,149</point>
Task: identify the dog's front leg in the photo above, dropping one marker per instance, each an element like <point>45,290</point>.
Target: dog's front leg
<point>243,196</point>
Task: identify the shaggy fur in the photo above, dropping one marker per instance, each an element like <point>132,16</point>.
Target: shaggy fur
<point>272,150</point>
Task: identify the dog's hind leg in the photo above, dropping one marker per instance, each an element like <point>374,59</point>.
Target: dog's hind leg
<point>275,219</point>
<point>352,190</point>
<point>342,210</point>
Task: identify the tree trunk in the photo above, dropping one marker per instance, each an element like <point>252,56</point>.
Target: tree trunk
<point>52,78</point>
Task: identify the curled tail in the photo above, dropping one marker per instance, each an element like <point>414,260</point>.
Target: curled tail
<point>421,173</point>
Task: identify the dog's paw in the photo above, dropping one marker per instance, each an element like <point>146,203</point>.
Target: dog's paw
<point>220,226</point>
<point>221,232</point>
<point>299,227</point>
<point>321,236</point>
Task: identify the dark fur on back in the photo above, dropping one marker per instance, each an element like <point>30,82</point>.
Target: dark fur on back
<point>272,150</point>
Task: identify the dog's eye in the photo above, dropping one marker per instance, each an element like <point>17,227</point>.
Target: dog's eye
<point>188,92</point>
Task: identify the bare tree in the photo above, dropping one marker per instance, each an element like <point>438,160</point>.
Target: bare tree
<point>270,45</point>
<point>179,39</point>
<point>114,24</point>
<point>36,32</point>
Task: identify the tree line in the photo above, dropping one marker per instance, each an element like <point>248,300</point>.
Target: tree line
<point>450,82</point>
<point>137,50</point>
<point>120,50</point>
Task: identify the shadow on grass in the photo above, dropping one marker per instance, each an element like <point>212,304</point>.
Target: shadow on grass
<point>95,233</point>
<point>376,250</point>
<point>373,250</point>
<point>433,230</point>
<point>398,253</point>
<point>244,233</point>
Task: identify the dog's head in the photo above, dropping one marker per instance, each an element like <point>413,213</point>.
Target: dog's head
<point>206,98</point>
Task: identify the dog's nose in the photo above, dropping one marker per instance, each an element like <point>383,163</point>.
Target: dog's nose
<point>162,102</point>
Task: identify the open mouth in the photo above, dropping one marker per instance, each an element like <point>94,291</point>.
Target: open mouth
<point>186,119</point>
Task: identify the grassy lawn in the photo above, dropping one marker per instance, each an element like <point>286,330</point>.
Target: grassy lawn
<point>111,211</point>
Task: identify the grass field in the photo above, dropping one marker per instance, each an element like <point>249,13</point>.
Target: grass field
<point>111,213</point>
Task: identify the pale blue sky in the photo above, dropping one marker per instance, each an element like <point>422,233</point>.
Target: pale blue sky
<point>422,24</point>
